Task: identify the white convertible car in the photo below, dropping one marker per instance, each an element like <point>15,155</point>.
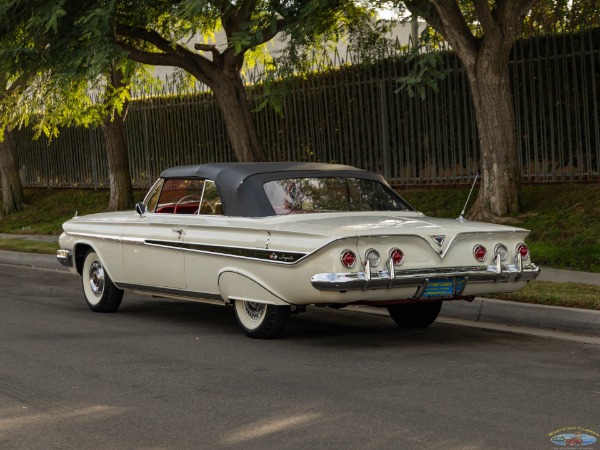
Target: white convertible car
<point>271,238</point>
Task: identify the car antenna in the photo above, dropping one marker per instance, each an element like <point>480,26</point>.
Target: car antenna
<point>462,214</point>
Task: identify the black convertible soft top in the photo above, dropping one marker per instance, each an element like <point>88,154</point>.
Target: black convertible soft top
<point>240,185</point>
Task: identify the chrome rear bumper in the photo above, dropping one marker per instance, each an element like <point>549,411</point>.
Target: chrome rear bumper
<point>386,279</point>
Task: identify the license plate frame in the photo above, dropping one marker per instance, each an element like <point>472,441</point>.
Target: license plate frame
<point>446,287</point>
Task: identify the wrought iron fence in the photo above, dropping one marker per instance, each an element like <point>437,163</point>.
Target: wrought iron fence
<point>356,114</point>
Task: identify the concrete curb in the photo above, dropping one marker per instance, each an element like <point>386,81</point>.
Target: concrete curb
<point>525,314</point>
<point>31,260</point>
<point>480,310</point>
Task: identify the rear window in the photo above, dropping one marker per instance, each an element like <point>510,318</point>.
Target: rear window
<point>309,195</point>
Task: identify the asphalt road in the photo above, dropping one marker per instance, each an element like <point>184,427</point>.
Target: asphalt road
<point>170,374</point>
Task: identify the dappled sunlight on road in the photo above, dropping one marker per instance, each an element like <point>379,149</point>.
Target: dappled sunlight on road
<point>266,427</point>
<point>19,419</point>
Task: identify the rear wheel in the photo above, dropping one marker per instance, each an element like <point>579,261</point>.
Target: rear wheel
<point>259,320</point>
<point>415,314</point>
<point>100,292</point>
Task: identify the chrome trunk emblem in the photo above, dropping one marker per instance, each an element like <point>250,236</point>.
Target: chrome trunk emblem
<point>439,239</point>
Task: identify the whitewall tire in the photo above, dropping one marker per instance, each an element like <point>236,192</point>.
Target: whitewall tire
<point>101,294</point>
<point>259,320</point>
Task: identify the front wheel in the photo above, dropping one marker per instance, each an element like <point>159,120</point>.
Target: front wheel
<point>259,320</point>
<point>415,314</point>
<point>100,292</point>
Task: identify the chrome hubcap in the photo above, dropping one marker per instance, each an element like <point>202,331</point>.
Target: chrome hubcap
<point>254,310</point>
<point>97,279</point>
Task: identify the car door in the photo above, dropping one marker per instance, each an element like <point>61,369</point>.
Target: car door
<point>151,255</point>
<point>152,243</point>
<point>206,239</point>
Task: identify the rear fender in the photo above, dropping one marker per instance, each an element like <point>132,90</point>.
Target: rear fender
<point>234,285</point>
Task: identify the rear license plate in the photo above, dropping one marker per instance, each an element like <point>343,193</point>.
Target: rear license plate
<point>443,287</point>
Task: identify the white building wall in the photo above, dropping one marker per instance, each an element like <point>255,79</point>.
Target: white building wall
<point>401,32</point>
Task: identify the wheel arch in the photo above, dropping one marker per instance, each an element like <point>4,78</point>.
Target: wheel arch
<point>235,285</point>
<point>79,251</point>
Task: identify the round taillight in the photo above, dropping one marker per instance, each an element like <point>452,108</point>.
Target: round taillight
<point>373,257</point>
<point>397,256</point>
<point>479,252</point>
<point>523,250</point>
<point>348,258</point>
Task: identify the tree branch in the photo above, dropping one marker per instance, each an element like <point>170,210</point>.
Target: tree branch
<point>19,84</point>
<point>511,13</point>
<point>425,9</point>
<point>245,11</point>
<point>172,54</point>
<point>484,14</point>
<point>270,32</point>
<point>149,36</point>
<point>227,16</point>
<point>446,17</point>
<point>164,59</point>
<point>151,58</point>
<point>208,48</point>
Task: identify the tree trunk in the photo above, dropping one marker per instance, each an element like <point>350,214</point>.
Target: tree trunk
<point>486,60</point>
<point>121,192</point>
<point>489,80</point>
<point>231,99</point>
<point>13,196</point>
<point>220,71</point>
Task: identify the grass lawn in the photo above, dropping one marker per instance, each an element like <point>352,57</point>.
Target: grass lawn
<point>564,220</point>
<point>22,245</point>
<point>556,294</point>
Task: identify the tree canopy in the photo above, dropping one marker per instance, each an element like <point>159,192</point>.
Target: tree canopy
<point>86,36</point>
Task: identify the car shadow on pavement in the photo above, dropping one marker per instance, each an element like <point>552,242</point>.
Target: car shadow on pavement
<point>321,326</point>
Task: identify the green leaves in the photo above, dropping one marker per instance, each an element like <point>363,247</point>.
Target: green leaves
<point>240,42</point>
<point>424,75</point>
<point>66,46</point>
<point>56,12</point>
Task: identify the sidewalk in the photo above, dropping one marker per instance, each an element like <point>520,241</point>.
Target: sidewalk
<point>568,276</point>
<point>30,237</point>
<point>480,310</point>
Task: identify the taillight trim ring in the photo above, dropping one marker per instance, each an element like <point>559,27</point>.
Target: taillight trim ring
<point>496,252</point>
<point>344,252</point>
<point>391,252</point>
<point>370,252</point>
<point>518,248</point>
<point>477,247</point>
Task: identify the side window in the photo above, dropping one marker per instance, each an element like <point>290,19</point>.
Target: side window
<point>211,202</point>
<point>180,196</point>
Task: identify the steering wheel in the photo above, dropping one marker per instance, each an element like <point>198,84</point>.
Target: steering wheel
<point>187,197</point>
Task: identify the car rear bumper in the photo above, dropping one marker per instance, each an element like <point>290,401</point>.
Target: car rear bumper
<point>421,278</point>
